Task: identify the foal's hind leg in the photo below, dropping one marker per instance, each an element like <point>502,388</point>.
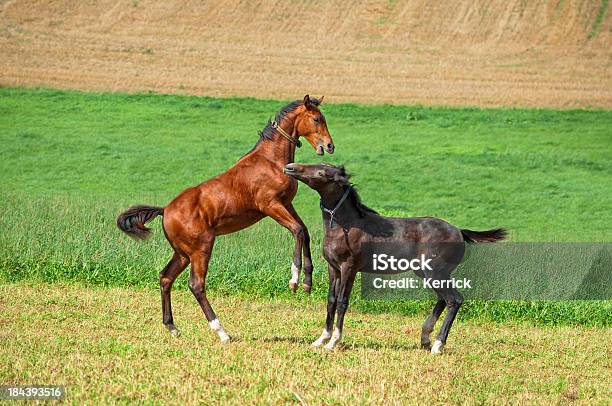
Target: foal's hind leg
<point>430,322</point>
<point>167,277</point>
<point>453,300</point>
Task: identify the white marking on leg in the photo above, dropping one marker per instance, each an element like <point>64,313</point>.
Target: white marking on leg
<point>437,347</point>
<point>335,339</point>
<point>325,335</point>
<point>216,326</point>
<point>295,274</point>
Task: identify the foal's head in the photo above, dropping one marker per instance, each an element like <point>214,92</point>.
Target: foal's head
<point>330,181</point>
<point>310,124</point>
<point>323,178</point>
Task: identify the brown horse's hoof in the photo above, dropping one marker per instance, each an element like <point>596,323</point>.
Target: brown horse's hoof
<point>293,286</point>
<point>307,288</point>
<point>426,346</point>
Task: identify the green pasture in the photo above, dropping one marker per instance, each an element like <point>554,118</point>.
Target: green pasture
<point>71,161</point>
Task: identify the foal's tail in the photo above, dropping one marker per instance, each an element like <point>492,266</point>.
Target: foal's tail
<point>132,221</point>
<point>494,235</point>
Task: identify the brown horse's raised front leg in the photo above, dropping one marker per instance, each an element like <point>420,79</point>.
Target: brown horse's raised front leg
<point>167,277</point>
<point>288,218</point>
<point>307,281</point>
<point>197,285</point>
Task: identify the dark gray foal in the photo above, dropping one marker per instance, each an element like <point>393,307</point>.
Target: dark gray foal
<point>349,224</point>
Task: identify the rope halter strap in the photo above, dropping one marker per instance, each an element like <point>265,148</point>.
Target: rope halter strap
<point>282,132</point>
<point>333,211</point>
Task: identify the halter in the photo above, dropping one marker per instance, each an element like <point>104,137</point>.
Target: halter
<point>333,211</point>
<point>282,132</point>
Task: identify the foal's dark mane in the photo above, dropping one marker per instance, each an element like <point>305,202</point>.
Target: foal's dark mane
<point>353,195</point>
<point>268,131</point>
<point>356,201</point>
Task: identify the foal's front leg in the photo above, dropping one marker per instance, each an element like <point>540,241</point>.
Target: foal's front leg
<point>343,294</point>
<point>288,218</point>
<point>334,281</point>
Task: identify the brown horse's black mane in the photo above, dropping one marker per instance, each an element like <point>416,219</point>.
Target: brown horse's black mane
<point>268,132</point>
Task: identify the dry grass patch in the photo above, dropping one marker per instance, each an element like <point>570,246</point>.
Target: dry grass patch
<point>504,53</point>
<point>109,345</point>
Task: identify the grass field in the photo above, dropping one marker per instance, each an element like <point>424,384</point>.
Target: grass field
<point>72,161</point>
<point>79,301</point>
<point>107,345</point>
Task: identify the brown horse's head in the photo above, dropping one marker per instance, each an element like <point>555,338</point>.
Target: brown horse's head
<point>310,124</point>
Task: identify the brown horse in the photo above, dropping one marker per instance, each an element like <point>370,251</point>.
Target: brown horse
<point>255,187</point>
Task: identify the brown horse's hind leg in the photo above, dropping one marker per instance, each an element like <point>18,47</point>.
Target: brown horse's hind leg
<point>430,322</point>
<point>167,277</point>
<point>288,218</point>
<point>197,285</point>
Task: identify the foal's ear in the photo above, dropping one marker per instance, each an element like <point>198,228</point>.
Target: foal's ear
<point>341,175</point>
<point>321,99</point>
<point>307,102</point>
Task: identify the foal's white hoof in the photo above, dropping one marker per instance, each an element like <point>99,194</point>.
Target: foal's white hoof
<point>330,346</point>
<point>175,333</point>
<point>318,343</point>
<point>225,340</point>
<point>437,348</point>
<point>325,335</point>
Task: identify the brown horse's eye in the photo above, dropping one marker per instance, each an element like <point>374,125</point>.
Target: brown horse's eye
<point>316,119</point>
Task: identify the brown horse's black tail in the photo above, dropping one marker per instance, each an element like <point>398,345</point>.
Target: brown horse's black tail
<point>494,235</point>
<point>132,221</point>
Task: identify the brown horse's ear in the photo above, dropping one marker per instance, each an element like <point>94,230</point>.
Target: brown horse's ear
<point>321,99</point>
<point>307,102</point>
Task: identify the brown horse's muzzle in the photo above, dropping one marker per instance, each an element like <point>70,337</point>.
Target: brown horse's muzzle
<point>321,148</point>
<point>321,143</point>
